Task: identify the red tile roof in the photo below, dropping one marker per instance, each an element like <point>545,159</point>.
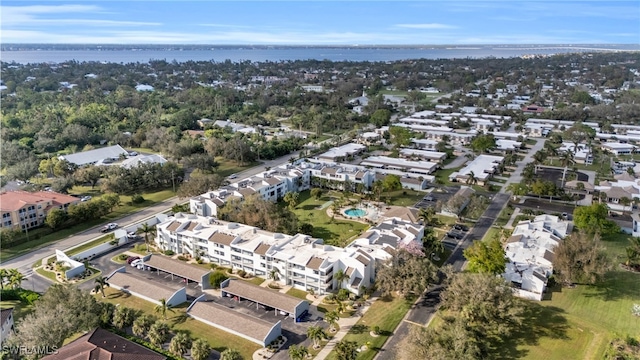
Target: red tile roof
<point>15,200</point>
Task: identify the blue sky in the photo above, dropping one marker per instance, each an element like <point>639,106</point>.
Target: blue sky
<point>321,22</point>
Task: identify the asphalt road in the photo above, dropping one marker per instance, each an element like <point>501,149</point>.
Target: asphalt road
<point>25,262</point>
<point>426,306</point>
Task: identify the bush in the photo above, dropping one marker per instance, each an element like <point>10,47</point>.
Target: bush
<point>376,330</point>
<point>216,278</point>
<point>114,242</point>
<point>343,294</point>
<point>25,296</point>
<point>242,273</point>
<point>182,258</point>
<point>137,199</point>
<point>213,266</point>
<point>230,270</point>
<point>169,252</point>
<point>199,261</point>
<point>123,257</point>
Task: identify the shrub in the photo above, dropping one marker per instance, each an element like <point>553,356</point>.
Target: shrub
<point>343,294</point>
<point>169,252</point>
<point>114,242</point>
<point>137,199</point>
<point>200,261</point>
<point>230,270</point>
<point>213,266</point>
<point>182,258</point>
<point>25,296</point>
<point>242,273</point>
<point>123,257</point>
<point>376,330</point>
<point>216,278</point>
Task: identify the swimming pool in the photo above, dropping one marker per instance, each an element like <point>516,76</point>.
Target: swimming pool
<point>355,212</point>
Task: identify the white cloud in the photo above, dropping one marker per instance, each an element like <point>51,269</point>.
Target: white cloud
<point>426,26</point>
<point>17,17</point>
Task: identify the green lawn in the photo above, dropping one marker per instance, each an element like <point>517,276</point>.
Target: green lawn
<point>43,236</point>
<point>384,313</point>
<point>490,233</point>
<point>228,167</point>
<point>504,216</point>
<point>300,294</point>
<point>256,280</point>
<point>578,323</point>
<point>48,274</point>
<point>442,176</point>
<point>218,339</point>
<point>403,197</point>
<point>334,232</point>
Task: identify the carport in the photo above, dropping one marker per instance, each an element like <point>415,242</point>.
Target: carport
<point>147,290</point>
<point>178,268</point>
<point>242,290</point>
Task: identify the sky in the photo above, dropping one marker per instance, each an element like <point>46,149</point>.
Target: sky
<point>426,22</point>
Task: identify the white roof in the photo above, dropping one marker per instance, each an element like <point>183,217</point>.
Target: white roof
<point>95,155</point>
<point>143,159</point>
<point>618,145</point>
<point>424,153</point>
<point>504,144</point>
<point>481,166</point>
<point>397,163</point>
<point>344,150</point>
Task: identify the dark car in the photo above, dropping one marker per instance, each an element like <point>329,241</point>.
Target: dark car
<point>455,235</point>
<point>428,198</point>
<point>461,227</point>
<point>131,259</point>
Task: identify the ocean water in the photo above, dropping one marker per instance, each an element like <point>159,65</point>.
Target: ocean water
<point>284,54</point>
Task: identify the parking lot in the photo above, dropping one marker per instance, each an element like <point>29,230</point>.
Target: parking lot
<point>442,194</point>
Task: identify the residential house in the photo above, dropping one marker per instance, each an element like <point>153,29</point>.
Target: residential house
<point>482,168</point>
<point>458,202</point>
<point>618,148</point>
<point>96,156</point>
<point>6,324</point>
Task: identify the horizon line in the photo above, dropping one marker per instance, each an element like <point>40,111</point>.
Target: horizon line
<point>326,45</point>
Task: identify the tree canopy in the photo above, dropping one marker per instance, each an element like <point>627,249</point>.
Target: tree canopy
<point>581,258</point>
<point>406,273</point>
<point>486,257</point>
<point>593,219</point>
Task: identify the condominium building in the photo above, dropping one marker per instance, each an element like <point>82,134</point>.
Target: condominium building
<point>298,260</point>
<point>26,210</point>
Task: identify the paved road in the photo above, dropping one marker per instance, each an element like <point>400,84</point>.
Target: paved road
<point>23,263</point>
<point>426,306</point>
<point>516,176</point>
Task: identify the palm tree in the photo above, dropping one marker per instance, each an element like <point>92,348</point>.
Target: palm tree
<point>180,343</point>
<point>230,354</point>
<point>298,352</point>
<point>340,277</point>
<point>163,307</point>
<point>274,274</point>
<point>316,334</point>
<point>100,284</point>
<point>159,333</point>
<point>427,216</point>
<point>332,318</point>
<point>146,230</point>
<point>625,201</point>
<point>471,178</point>
<point>16,278</point>
<point>340,306</point>
<point>4,274</point>
<point>200,349</point>
<point>142,324</point>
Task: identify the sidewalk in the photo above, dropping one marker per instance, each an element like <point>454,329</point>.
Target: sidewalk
<point>345,325</point>
<point>509,224</point>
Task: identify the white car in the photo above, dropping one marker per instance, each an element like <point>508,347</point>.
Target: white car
<point>85,198</point>
<point>109,227</point>
<point>233,176</point>
<point>137,262</point>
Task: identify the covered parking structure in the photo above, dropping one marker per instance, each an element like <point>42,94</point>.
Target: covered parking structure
<point>178,268</point>
<point>257,330</point>
<point>146,290</point>
<point>242,290</point>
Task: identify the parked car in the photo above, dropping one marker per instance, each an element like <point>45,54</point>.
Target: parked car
<point>133,153</point>
<point>428,198</point>
<point>85,198</point>
<point>136,262</point>
<point>461,227</point>
<point>233,176</point>
<point>455,235</point>
<point>109,227</point>
<point>131,259</point>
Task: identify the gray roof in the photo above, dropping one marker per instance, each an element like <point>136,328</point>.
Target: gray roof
<point>227,318</point>
<point>93,156</point>
<point>177,267</point>
<point>274,299</point>
<point>137,285</point>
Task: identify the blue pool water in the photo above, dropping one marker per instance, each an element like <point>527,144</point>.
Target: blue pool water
<point>355,212</point>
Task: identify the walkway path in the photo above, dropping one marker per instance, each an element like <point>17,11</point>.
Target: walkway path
<point>509,224</point>
<point>516,176</point>
<point>345,325</point>
<point>456,163</point>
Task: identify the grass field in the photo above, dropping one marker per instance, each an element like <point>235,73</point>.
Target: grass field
<point>442,176</point>
<point>218,339</point>
<point>385,313</point>
<point>20,309</point>
<point>42,236</point>
<point>578,323</point>
<point>335,232</point>
<point>403,197</point>
<point>300,294</point>
<point>256,280</point>
<point>227,167</point>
